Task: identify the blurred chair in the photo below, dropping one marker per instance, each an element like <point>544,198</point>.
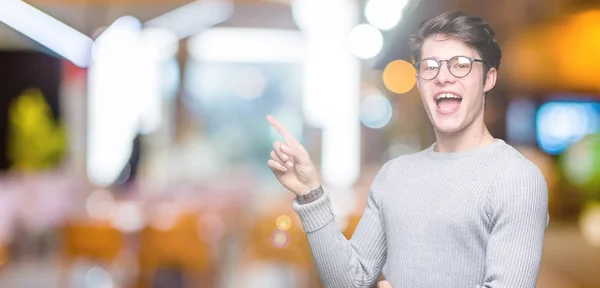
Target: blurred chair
<point>94,241</point>
<point>176,256</point>
<point>271,252</point>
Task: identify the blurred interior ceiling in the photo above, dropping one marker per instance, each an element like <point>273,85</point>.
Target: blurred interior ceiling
<point>87,16</point>
<point>505,16</point>
<point>535,30</point>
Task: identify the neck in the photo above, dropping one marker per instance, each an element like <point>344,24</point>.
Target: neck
<point>471,137</point>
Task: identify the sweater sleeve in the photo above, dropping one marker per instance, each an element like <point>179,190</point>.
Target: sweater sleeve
<point>518,204</point>
<point>346,263</point>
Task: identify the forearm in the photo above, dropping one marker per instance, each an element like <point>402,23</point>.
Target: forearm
<point>341,262</point>
<point>519,267</point>
<point>337,261</point>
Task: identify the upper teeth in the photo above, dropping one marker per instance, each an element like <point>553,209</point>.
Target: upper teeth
<point>447,96</point>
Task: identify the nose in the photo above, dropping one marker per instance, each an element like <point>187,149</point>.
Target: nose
<point>444,76</point>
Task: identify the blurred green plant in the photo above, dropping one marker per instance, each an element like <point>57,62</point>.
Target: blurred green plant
<point>35,140</point>
<point>581,165</point>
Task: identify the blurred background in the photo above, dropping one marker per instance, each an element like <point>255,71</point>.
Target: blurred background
<point>134,145</point>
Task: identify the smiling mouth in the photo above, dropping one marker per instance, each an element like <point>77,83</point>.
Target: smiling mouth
<point>447,102</point>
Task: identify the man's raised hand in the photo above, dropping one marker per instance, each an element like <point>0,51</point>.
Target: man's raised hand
<point>291,163</point>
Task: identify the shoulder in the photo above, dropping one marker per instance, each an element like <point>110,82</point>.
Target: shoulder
<point>518,168</point>
<point>519,188</point>
<point>518,177</point>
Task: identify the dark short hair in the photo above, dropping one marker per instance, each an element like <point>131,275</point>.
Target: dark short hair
<point>470,29</point>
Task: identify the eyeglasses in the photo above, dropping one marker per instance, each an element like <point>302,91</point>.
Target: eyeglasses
<point>459,67</point>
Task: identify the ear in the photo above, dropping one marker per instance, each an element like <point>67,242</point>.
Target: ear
<point>490,80</point>
<point>417,82</point>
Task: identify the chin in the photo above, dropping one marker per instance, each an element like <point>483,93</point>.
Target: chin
<point>448,126</point>
<point>448,130</point>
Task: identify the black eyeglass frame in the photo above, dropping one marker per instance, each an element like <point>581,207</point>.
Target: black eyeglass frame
<point>439,62</point>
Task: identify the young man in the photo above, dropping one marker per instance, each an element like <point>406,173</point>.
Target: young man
<point>469,211</point>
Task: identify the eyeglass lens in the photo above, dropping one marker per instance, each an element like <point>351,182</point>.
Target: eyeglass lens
<point>460,66</point>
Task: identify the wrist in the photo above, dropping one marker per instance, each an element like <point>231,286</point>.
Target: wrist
<point>311,196</point>
<point>310,188</point>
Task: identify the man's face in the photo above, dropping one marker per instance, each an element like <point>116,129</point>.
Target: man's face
<point>454,103</point>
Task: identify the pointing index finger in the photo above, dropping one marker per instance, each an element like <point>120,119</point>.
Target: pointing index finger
<point>287,136</point>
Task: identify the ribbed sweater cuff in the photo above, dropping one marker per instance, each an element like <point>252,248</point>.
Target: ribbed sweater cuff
<point>314,215</point>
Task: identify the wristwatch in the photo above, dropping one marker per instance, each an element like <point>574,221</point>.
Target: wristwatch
<point>311,196</point>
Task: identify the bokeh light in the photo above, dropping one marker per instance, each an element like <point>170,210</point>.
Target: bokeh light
<point>97,277</point>
<point>375,111</point>
<point>128,217</point>
<point>399,76</point>
<point>283,222</point>
<point>589,223</point>
<point>365,41</point>
<point>581,165</point>
<point>560,124</point>
<point>384,14</point>
<point>578,163</point>
<point>280,239</point>
<point>100,204</point>
<point>164,216</point>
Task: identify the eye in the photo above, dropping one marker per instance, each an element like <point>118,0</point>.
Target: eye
<point>430,65</point>
<point>461,62</point>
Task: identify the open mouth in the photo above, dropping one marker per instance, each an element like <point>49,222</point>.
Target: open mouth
<point>447,102</point>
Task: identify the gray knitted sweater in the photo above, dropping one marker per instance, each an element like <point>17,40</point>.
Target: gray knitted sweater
<point>454,220</point>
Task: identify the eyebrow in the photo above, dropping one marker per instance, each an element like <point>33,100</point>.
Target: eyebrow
<point>438,58</point>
